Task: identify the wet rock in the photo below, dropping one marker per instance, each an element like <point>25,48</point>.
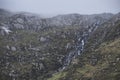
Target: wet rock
<point>117,59</point>
<point>34,49</point>
<point>8,47</point>
<point>42,39</point>
<point>41,66</point>
<point>13,48</point>
<point>68,45</point>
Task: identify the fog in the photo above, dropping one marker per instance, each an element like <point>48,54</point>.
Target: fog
<point>62,6</point>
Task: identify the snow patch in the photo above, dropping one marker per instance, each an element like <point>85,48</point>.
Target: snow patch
<point>6,30</point>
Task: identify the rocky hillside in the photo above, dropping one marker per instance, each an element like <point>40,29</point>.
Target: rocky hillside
<point>64,47</point>
<point>100,59</point>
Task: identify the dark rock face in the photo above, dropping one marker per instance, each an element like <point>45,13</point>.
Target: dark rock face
<point>34,48</point>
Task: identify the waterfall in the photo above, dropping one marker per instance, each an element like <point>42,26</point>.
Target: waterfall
<point>79,46</point>
<point>76,52</point>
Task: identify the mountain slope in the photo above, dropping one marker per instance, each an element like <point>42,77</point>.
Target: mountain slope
<point>36,48</point>
<point>101,58</point>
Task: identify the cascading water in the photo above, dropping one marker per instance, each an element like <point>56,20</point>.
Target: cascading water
<point>79,47</point>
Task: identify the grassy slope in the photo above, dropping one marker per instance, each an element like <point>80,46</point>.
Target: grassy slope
<point>107,68</point>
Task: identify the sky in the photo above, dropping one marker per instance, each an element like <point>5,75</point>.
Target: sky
<point>62,6</point>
